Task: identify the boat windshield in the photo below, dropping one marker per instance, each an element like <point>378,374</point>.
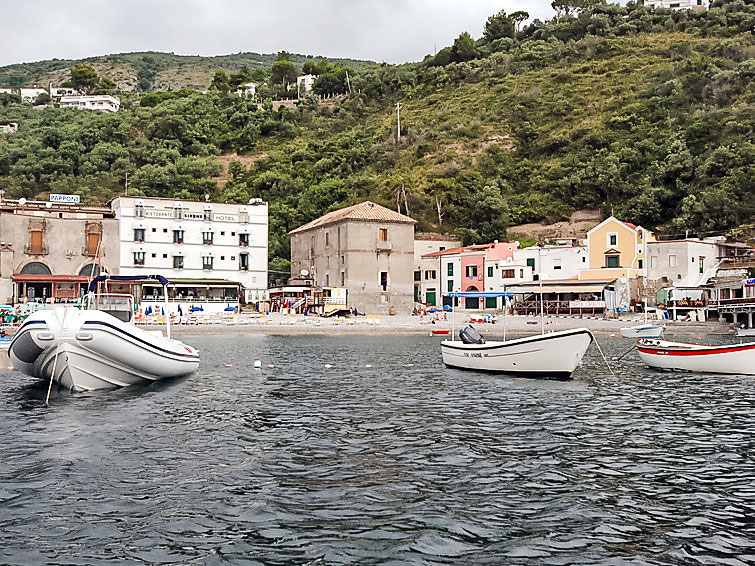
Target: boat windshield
<point>119,306</point>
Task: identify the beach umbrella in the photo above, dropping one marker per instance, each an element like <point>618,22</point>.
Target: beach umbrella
<point>229,309</point>
<point>148,310</point>
<point>180,311</point>
<point>162,312</point>
<point>448,308</point>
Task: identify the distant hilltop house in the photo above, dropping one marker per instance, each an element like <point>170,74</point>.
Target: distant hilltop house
<point>682,5</point>
<point>6,91</point>
<point>102,102</point>
<point>9,128</point>
<point>29,95</point>
<point>61,91</point>
<point>247,89</point>
<point>304,83</point>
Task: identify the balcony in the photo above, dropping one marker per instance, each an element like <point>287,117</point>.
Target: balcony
<point>36,250</point>
<point>384,246</point>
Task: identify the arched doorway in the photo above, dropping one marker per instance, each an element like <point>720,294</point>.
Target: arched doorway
<point>35,290</point>
<point>90,270</point>
<point>472,302</point>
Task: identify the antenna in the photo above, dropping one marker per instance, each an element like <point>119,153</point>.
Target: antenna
<point>398,122</point>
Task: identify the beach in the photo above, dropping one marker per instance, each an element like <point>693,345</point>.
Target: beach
<point>283,324</point>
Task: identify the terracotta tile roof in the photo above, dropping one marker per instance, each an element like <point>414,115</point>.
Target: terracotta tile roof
<point>367,211</point>
<point>462,249</point>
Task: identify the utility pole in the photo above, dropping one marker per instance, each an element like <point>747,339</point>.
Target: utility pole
<point>348,82</point>
<point>398,122</point>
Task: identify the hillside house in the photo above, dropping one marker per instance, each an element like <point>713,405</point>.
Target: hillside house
<point>682,5</point>
<point>29,95</point>
<point>101,102</point>
<point>304,83</point>
<point>427,284</point>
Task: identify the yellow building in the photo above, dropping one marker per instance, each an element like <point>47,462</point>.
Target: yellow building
<point>616,249</point>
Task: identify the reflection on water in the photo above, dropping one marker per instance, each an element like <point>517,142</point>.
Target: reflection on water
<point>405,464</point>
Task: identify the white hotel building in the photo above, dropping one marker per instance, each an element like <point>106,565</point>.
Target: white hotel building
<point>205,248</point>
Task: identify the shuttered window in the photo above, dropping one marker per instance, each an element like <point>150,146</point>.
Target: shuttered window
<point>36,242</point>
<point>93,242</point>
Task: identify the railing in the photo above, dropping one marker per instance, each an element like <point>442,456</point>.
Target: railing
<point>551,307</point>
<point>29,251</point>
<point>383,246</point>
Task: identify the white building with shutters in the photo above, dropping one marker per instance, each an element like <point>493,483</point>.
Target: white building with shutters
<point>204,247</point>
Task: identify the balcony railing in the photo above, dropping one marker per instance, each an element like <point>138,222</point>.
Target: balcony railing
<point>384,246</point>
<point>29,250</point>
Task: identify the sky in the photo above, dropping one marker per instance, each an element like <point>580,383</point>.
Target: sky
<point>394,31</point>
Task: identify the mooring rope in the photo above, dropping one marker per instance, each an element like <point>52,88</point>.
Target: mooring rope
<point>55,361</point>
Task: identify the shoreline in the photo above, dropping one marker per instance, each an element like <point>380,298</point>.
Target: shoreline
<point>278,324</point>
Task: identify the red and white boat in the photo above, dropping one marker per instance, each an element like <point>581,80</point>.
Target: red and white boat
<point>686,356</point>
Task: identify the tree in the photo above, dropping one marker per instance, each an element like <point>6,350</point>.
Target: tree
<point>283,72</point>
<point>518,17</point>
<point>242,77</point>
<point>498,26</point>
<point>84,78</point>
<point>106,86</point>
<point>220,82</point>
<point>464,48</point>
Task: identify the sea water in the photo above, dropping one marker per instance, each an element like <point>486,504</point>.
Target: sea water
<point>403,462</point>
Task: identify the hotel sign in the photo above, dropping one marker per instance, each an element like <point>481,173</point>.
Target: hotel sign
<point>65,199</point>
<point>158,214</point>
<point>225,218</point>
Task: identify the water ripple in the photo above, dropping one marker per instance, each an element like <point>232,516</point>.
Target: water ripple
<point>389,464</point>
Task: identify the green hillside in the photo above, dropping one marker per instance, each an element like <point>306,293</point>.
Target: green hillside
<point>649,114</point>
<point>150,71</point>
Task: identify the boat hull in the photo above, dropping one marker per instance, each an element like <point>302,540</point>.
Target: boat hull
<point>682,356</point>
<point>555,355</point>
<point>642,331</point>
<point>96,351</point>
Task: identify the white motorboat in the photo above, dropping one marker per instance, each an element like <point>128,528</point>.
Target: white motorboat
<point>745,331</point>
<point>643,331</point>
<point>98,347</point>
<point>554,355</point>
<point>685,356</point>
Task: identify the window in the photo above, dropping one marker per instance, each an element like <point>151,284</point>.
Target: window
<point>557,265</point>
<point>154,255</point>
<point>222,258</point>
<point>243,240</point>
<point>584,259</point>
<point>343,279</point>
<point>383,234</point>
<point>139,234</point>
<point>165,230</point>
<point>327,279</point>
<point>327,238</point>
<point>384,280</point>
<point>440,249</point>
<point>613,239</point>
<point>418,276</point>
<point>178,213</point>
<point>207,238</point>
<point>471,271</point>
<point>138,258</point>
<point>531,262</point>
<point>639,236</point>
<point>243,262</point>
<point>178,261</point>
<point>450,285</point>
<point>139,211</point>
<point>507,273</point>
<point>207,262</point>
<point>222,233</point>
<point>450,268</point>
<point>208,214</point>
<point>233,233</point>
<point>36,242</point>
<point>178,236</point>
<point>653,261</point>
<point>640,263</point>
<point>429,274</point>
<point>154,229</point>
<point>93,243</point>
<point>490,271</point>
<point>701,259</point>
<point>672,261</point>
<point>612,261</point>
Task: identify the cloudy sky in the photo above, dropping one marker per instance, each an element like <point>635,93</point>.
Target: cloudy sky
<point>382,30</point>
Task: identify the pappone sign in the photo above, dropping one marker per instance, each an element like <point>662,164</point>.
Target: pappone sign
<point>65,199</point>
<point>587,304</point>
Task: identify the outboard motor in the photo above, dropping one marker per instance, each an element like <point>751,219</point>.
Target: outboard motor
<point>469,335</point>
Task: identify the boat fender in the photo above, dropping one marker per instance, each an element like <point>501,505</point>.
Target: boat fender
<point>45,336</point>
<point>328,366</point>
<point>368,366</point>
<point>270,366</point>
<point>84,336</point>
<point>257,364</point>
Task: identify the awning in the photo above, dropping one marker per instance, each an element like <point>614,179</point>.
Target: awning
<point>582,287</point>
<point>50,278</point>
<point>480,294</point>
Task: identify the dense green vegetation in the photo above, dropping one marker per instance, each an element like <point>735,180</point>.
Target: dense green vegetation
<point>649,113</point>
